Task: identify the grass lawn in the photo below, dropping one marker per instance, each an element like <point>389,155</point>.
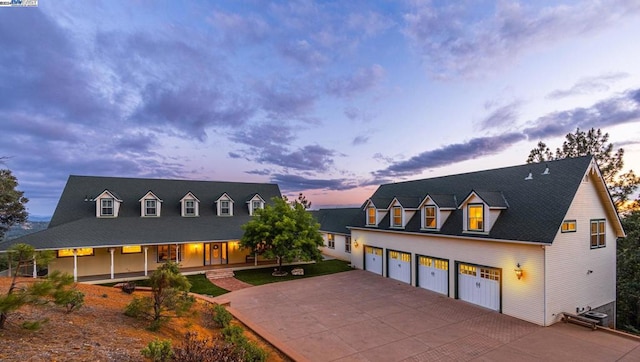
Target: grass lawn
<point>263,276</point>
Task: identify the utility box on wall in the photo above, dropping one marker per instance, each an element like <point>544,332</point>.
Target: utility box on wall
<point>602,318</point>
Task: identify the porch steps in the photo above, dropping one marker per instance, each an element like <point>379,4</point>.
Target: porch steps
<point>219,274</point>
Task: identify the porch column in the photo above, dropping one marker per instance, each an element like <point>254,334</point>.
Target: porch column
<point>112,251</point>
<point>75,265</point>
<point>146,265</point>
<point>35,269</point>
<point>255,259</point>
<point>177,251</point>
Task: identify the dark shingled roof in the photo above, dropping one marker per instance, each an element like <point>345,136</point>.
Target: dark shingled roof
<point>533,210</point>
<point>74,222</point>
<point>336,220</point>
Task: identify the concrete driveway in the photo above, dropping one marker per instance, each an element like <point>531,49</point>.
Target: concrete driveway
<point>360,316</point>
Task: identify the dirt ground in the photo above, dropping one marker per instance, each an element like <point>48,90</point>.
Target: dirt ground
<point>99,331</point>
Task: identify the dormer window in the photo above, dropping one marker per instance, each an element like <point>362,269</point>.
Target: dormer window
<point>150,205</point>
<point>190,205</point>
<point>475,217</point>
<point>430,218</point>
<point>107,204</point>
<point>150,208</point>
<point>255,203</point>
<point>106,207</point>
<point>225,205</point>
<point>371,216</point>
<point>396,217</point>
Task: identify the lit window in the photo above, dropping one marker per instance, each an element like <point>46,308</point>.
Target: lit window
<point>430,217</point>
<point>371,216</point>
<point>397,216</point>
<point>347,244</point>
<point>79,252</point>
<point>150,208</point>
<point>476,218</point>
<point>106,207</point>
<point>225,208</point>
<point>168,253</point>
<point>597,234</point>
<point>189,208</point>
<point>331,241</point>
<point>569,226</point>
<point>131,249</point>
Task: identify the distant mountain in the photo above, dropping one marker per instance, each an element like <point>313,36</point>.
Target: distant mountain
<point>28,228</point>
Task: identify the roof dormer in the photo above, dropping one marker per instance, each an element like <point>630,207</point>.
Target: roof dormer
<point>254,203</point>
<point>371,213</point>
<point>189,205</point>
<point>107,204</point>
<point>150,205</point>
<point>224,205</point>
<point>435,209</point>
<point>397,217</point>
<point>481,209</point>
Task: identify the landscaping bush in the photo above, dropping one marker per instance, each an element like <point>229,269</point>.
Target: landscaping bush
<point>204,350</point>
<point>221,316</point>
<point>158,351</point>
<point>71,299</point>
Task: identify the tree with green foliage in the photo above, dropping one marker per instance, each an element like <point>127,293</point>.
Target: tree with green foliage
<point>594,143</point>
<point>40,292</point>
<point>12,201</point>
<point>284,231</point>
<point>628,288</point>
<point>169,293</point>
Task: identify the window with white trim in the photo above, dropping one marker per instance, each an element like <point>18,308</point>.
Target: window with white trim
<point>150,207</point>
<point>430,220</point>
<point>568,226</point>
<point>168,252</point>
<point>598,234</point>
<point>347,244</point>
<point>396,217</point>
<point>225,207</point>
<point>331,242</point>
<point>475,217</point>
<point>189,207</point>
<point>106,207</point>
<point>371,216</point>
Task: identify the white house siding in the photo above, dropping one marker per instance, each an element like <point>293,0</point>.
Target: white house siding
<point>337,252</point>
<point>570,285</point>
<point>523,299</point>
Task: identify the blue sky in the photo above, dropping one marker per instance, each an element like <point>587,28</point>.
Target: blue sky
<point>329,98</point>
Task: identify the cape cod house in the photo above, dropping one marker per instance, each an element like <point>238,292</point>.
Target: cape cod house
<point>530,241</point>
<point>105,226</point>
<point>335,231</point>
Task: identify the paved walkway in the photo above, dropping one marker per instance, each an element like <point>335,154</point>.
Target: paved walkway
<point>359,316</point>
<point>231,284</point>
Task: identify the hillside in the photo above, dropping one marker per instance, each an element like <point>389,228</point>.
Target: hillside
<point>28,228</point>
<point>99,331</point>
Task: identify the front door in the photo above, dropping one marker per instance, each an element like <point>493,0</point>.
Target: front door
<point>215,253</point>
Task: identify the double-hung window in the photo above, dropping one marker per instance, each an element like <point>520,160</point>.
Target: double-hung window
<point>397,216</point>
<point>331,242</point>
<point>430,221</point>
<point>475,218</point>
<point>225,208</point>
<point>371,216</point>
<point>150,208</point>
<point>190,208</point>
<point>106,207</point>
<point>347,244</point>
<point>598,234</point>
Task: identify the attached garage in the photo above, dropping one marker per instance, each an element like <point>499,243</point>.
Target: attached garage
<point>399,266</point>
<point>373,259</point>
<point>433,274</point>
<point>479,285</point>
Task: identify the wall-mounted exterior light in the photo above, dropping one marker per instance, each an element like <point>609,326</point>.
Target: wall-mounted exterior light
<point>518,271</point>
<point>355,243</point>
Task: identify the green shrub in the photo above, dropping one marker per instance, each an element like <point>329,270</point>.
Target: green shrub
<point>251,352</point>
<point>158,351</point>
<point>221,317</point>
<point>193,349</point>
<point>233,334</point>
<point>71,299</point>
<point>138,307</point>
<point>34,325</point>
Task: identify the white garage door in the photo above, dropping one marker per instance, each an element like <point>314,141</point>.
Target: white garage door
<point>373,259</point>
<point>479,285</point>
<point>399,266</point>
<point>433,274</point>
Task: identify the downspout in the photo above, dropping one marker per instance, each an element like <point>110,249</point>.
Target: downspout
<point>544,262</point>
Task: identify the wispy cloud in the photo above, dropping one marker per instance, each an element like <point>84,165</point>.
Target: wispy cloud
<point>455,42</point>
<point>363,80</point>
<point>292,183</point>
<point>502,116</point>
<point>589,85</point>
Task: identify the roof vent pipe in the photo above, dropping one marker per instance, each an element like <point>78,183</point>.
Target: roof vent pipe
<point>546,170</point>
<point>530,177</point>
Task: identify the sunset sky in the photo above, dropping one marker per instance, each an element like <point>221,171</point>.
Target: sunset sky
<point>329,98</point>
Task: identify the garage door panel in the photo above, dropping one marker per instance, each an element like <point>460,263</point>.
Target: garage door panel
<point>373,260</point>
<point>433,274</point>
<point>479,285</point>
<point>399,266</point>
